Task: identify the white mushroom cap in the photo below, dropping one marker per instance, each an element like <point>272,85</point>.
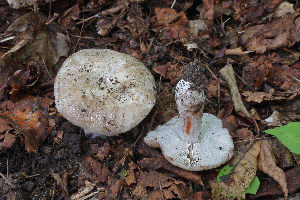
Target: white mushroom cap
<point>104,91</point>
<point>214,149</point>
<point>193,140</point>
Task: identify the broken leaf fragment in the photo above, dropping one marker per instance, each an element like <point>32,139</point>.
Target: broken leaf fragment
<point>289,135</point>
<point>172,24</point>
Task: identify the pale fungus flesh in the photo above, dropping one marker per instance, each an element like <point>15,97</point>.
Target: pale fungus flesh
<point>103,91</point>
<point>193,140</point>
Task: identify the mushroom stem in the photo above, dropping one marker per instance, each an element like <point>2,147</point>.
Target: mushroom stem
<point>190,105</point>
<point>191,124</point>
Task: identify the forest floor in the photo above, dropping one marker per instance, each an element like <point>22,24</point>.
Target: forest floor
<point>44,156</point>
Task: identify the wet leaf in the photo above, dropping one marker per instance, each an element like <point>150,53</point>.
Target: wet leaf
<point>289,135</point>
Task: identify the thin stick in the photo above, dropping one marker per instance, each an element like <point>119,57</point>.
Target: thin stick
<point>9,183</point>
<point>9,79</point>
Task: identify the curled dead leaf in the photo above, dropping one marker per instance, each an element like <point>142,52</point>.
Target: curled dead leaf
<point>267,164</point>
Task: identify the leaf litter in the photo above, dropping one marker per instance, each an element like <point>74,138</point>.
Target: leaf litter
<point>160,37</point>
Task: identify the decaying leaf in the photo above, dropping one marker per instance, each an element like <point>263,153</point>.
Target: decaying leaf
<point>172,72</point>
<point>209,15</point>
<point>259,71</point>
<point>67,19</point>
<point>228,74</point>
<point>97,168</point>
<point>8,141</point>
<point>157,180</point>
<point>245,167</point>
<point>279,33</point>
<point>267,164</point>
<point>29,119</point>
<point>40,49</point>
<point>130,177</point>
<point>259,97</point>
<point>271,187</point>
<point>173,24</point>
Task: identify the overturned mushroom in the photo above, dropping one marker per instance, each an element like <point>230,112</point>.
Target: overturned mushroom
<point>193,140</point>
<point>104,91</point>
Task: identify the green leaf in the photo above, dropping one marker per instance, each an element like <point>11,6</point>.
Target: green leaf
<point>123,173</point>
<point>253,186</point>
<point>289,135</point>
<point>224,171</point>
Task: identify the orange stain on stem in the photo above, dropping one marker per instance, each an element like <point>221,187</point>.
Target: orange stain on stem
<point>188,126</point>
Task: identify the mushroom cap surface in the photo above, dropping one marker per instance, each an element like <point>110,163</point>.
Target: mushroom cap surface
<point>104,91</point>
<point>214,149</point>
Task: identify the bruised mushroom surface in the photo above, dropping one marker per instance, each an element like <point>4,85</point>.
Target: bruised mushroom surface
<point>104,91</point>
<point>193,140</point>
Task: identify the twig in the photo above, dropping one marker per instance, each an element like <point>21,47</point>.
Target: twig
<point>173,3</point>
<point>53,18</point>
<point>9,183</point>
<point>9,79</point>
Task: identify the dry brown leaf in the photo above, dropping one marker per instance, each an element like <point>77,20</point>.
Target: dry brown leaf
<point>9,140</point>
<point>130,177</point>
<point>97,168</point>
<point>267,164</point>
<point>113,188</point>
<point>244,134</point>
<point>243,173</point>
<point>103,151</point>
<point>4,124</point>
<point>174,25</point>
<point>228,74</point>
<point>172,72</point>
<point>157,180</point>
<point>209,15</point>
<point>276,34</point>
<point>239,7</point>
<point>67,19</point>
<point>271,187</point>
<point>259,71</point>
<point>259,97</point>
